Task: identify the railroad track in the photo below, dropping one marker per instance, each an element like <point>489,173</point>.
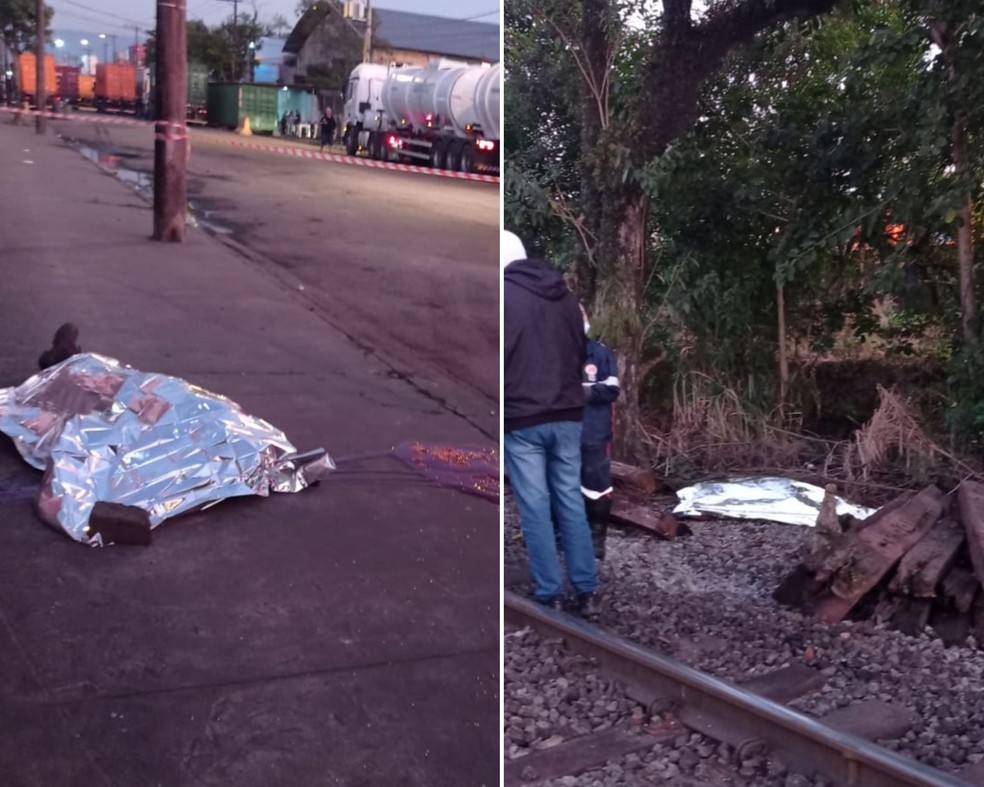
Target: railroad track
<point>727,712</point>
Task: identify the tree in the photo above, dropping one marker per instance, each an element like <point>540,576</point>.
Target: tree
<point>818,202</point>
<point>279,26</point>
<point>224,49</point>
<point>541,136</point>
<point>956,28</point>
<point>235,39</point>
<point>623,133</point>
<point>773,207</point>
<point>18,24</point>
<point>18,33</point>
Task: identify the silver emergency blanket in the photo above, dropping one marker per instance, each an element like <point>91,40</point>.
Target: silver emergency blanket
<point>771,499</point>
<point>103,431</point>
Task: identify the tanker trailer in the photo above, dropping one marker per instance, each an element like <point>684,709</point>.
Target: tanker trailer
<point>445,115</point>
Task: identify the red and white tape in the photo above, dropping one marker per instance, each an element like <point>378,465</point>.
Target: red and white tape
<point>283,150</point>
<point>170,132</point>
<point>176,131</point>
<point>82,116</point>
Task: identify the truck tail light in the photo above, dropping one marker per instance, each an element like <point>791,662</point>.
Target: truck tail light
<point>485,144</point>
<point>394,141</point>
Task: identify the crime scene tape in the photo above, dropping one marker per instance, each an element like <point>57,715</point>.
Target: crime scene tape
<point>281,150</point>
<point>356,161</point>
<point>77,116</point>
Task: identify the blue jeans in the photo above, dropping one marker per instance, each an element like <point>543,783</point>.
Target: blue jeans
<point>544,466</point>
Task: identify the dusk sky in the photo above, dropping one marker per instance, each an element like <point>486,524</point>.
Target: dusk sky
<point>120,16</point>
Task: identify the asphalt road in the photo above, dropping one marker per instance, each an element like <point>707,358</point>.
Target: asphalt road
<point>406,264</point>
<point>347,635</point>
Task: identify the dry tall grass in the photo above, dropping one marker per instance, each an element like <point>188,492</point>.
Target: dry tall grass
<point>717,431</point>
<point>714,435</point>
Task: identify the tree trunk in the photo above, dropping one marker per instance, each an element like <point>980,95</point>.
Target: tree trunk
<point>595,47</point>
<point>943,36</point>
<point>629,271</point>
<point>965,241</point>
<point>781,339</point>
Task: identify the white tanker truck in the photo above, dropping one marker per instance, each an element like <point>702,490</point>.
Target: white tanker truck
<point>445,115</point>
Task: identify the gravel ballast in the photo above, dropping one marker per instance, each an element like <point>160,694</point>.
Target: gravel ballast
<point>706,599</point>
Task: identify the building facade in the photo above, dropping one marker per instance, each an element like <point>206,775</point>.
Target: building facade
<point>324,46</point>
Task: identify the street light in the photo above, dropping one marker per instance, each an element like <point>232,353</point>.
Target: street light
<point>252,61</point>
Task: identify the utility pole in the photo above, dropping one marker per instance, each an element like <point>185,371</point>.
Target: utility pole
<point>40,96</point>
<point>236,75</point>
<point>367,40</point>
<point>238,67</point>
<point>171,137</point>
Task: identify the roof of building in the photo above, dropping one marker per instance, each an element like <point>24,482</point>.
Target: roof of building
<point>416,32</point>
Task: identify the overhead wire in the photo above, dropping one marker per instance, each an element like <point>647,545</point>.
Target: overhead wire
<point>101,22</point>
<point>102,12</point>
<point>197,9</point>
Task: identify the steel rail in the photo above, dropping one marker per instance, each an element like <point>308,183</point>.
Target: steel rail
<point>805,744</point>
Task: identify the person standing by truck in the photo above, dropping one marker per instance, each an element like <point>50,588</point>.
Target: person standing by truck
<point>328,126</point>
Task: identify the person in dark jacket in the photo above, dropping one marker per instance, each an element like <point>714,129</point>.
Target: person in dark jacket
<point>600,383</point>
<point>543,355</point>
<point>327,129</point>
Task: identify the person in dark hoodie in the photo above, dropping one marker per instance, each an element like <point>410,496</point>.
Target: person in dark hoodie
<point>543,357</point>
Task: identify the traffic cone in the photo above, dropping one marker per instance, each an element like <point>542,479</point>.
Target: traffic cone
<point>244,128</point>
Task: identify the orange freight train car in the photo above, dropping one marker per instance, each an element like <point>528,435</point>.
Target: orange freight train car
<point>116,86</point>
<point>87,89</point>
<point>27,66</point>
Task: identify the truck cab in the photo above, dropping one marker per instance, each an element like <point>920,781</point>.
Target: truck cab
<point>363,105</point>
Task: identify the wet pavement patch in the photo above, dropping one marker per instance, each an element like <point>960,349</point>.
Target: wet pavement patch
<point>142,182</point>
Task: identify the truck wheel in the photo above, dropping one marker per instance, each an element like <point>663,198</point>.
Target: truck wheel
<point>453,159</point>
<point>467,159</point>
<point>378,146</point>
<point>437,155</point>
<point>352,142</point>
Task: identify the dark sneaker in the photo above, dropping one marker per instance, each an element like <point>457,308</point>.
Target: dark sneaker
<point>586,605</point>
<point>556,603</point>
